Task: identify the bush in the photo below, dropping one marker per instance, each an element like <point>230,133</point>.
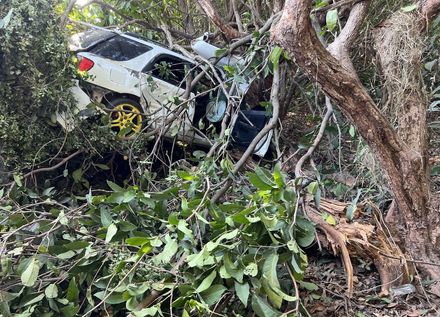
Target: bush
<point>35,76</point>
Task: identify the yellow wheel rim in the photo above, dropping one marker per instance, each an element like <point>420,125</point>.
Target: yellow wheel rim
<point>126,117</point>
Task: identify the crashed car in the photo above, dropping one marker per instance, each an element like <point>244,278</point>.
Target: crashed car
<point>143,84</point>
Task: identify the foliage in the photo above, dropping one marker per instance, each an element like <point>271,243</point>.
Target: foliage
<point>114,250</point>
<point>34,80</point>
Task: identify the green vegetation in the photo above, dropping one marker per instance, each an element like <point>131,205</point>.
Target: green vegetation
<point>132,226</point>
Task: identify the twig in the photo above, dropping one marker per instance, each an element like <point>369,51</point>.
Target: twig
<point>271,124</point>
<point>335,5</point>
<point>51,168</point>
<point>155,294</point>
<point>317,139</point>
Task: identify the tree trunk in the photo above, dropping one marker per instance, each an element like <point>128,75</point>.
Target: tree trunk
<point>404,165</point>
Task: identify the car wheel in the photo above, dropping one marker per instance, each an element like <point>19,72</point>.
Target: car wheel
<point>125,118</point>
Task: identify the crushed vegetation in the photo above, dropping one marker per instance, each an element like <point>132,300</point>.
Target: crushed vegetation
<point>93,225</point>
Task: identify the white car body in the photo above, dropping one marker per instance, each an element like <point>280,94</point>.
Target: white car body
<point>139,78</point>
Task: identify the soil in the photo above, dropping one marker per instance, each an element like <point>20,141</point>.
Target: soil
<point>327,273</point>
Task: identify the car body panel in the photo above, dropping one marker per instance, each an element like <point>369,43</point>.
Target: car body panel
<point>159,97</point>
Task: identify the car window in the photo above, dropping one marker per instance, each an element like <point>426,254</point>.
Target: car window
<point>88,39</point>
<point>120,49</point>
<point>170,69</point>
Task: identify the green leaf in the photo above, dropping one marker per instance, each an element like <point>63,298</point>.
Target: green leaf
<point>185,175</point>
<point>262,308</point>
<point>185,313</point>
<point>111,231</point>
<point>312,188</point>
<point>329,219</point>
<point>34,300</point>
<point>200,259</point>
<point>106,217</point>
<point>151,311</point>
<point>275,55</point>
<point>409,8</point>
<point>219,52</point>
<point>270,281</point>
<point>232,269</point>
<point>278,176</point>
<point>136,289</point>
<point>51,291</point>
<point>63,219</point>
<point>112,299</point>
<point>331,19</point>
<point>126,226</point>
<point>66,255</point>
<point>17,180</point>
<point>77,175</point>
<point>72,291</point>
<point>102,166</point>
<point>251,269</point>
<point>137,241</point>
<point>309,286</point>
<point>255,180</point>
<point>207,282</point>
<point>114,187</point>
<point>435,170</point>
<point>30,274</point>
<point>69,310</point>
<point>213,294</point>
<point>242,291</point>
<point>352,131</point>
<point>292,245</point>
<point>5,21</point>
<point>168,251</point>
<point>353,206</point>
<point>76,245</point>
<point>183,227</point>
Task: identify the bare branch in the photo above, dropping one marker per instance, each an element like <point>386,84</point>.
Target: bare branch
<point>341,46</point>
<point>317,138</point>
<point>270,125</point>
<point>51,168</point>
<point>335,5</point>
<point>65,17</point>
<point>212,13</point>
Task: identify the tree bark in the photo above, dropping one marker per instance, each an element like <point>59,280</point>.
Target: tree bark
<point>405,168</point>
<point>213,15</point>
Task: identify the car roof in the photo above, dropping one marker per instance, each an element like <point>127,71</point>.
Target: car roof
<point>86,40</point>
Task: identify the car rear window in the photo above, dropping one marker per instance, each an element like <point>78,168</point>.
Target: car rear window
<point>119,48</point>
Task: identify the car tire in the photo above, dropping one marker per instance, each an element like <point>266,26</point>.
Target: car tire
<point>126,117</point>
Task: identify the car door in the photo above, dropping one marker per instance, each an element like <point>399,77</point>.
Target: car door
<point>163,85</point>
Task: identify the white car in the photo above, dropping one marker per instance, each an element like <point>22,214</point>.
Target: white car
<point>144,83</point>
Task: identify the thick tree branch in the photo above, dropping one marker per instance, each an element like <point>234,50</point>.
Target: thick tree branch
<point>341,46</point>
<point>212,14</point>
<point>65,16</point>
<point>295,33</point>
<point>429,8</point>
<point>402,166</point>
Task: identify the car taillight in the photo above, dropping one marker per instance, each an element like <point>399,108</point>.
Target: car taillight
<point>85,64</point>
